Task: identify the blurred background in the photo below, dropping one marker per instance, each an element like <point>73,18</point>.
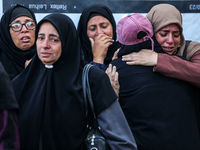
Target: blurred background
<point>190,10</point>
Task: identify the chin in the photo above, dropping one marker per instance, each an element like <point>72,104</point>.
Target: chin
<point>26,47</point>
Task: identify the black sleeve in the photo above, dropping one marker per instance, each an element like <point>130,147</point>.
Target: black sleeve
<point>102,92</point>
<point>9,134</point>
<point>7,97</point>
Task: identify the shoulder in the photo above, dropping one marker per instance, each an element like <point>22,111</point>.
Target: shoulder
<point>192,48</point>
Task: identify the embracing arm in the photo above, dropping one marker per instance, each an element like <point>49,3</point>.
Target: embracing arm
<point>175,67</point>
<point>144,57</point>
<point>168,65</point>
<point>116,129</point>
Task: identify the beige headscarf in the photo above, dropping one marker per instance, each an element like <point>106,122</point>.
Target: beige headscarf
<point>162,15</point>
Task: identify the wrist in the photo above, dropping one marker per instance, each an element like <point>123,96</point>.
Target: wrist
<point>155,59</point>
<point>98,60</point>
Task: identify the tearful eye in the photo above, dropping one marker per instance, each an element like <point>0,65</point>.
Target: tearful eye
<point>163,34</point>
<point>40,38</point>
<point>176,34</point>
<point>55,40</point>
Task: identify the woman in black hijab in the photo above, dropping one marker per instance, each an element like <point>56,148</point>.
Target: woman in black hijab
<point>98,55</point>
<point>17,43</point>
<point>49,91</point>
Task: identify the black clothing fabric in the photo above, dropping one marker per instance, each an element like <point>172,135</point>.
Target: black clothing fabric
<point>12,58</point>
<point>82,31</point>
<point>160,110</point>
<point>51,100</point>
<point>7,96</point>
<point>127,49</point>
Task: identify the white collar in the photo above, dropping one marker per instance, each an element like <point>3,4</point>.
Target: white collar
<point>49,66</point>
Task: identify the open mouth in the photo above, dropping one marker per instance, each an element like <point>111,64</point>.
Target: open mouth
<point>25,39</point>
<point>168,50</point>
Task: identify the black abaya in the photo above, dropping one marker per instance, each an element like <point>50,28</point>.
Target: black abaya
<point>51,99</point>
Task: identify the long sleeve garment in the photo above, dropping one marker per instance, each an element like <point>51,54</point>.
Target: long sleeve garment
<point>101,66</point>
<point>184,70</point>
<point>9,135</point>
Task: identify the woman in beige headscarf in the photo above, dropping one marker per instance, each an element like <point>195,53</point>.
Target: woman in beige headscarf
<point>167,23</point>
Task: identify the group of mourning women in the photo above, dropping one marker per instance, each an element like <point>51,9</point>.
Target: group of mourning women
<point>155,106</point>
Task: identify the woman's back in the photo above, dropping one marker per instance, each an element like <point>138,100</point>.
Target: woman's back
<point>160,110</point>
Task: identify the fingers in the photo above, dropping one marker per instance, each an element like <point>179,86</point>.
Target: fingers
<point>109,70</point>
<point>144,57</point>
<point>100,47</point>
<point>91,41</point>
<point>130,56</point>
<point>115,54</point>
<point>113,76</point>
<point>104,39</point>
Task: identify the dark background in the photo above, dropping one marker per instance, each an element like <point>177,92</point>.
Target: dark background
<point>116,6</point>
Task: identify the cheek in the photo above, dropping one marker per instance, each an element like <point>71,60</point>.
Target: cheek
<point>33,35</point>
<point>58,53</point>
<point>177,41</point>
<point>109,31</point>
<point>91,34</point>
<point>38,48</point>
<point>160,40</point>
<point>14,37</point>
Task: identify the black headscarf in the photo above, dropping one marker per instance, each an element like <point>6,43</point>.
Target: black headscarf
<point>51,99</point>
<point>82,30</point>
<point>13,58</point>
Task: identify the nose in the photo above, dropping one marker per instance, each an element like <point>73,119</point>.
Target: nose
<point>45,44</point>
<point>99,31</point>
<point>170,38</point>
<point>24,29</point>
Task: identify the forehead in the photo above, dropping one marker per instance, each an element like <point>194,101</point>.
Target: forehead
<point>97,20</point>
<point>47,28</point>
<point>173,27</point>
<point>22,19</point>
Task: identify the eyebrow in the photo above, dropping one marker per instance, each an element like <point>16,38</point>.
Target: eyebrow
<point>99,23</point>
<point>18,21</point>
<point>41,34</point>
<point>169,30</point>
<point>49,35</point>
<point>53,35</point>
